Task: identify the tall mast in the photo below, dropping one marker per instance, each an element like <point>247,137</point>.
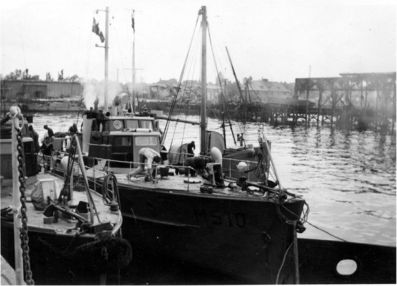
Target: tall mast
<point>243,100</point>
<point>203,122</point>
<point>106,57</point>
<point>133,62</point>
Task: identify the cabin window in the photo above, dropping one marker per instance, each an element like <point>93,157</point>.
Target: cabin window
<point>131,124</point>
<point>121,141</point>
<point>146,124</point>
<point>114,125</point>
<point>146,141</point>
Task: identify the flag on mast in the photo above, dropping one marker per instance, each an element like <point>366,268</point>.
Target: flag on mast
<point>133,20</point>
<point>97,31</point>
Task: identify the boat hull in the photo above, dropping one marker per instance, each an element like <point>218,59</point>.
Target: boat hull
<point>65,259</point>
<point>244,238</point>
<point>319,259</point>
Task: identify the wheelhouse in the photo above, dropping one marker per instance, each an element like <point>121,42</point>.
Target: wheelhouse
<point>119,138</point>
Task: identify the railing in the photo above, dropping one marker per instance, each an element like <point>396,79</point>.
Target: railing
<point>252,170</point>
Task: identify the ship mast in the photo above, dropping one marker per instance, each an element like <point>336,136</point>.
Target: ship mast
<point>106,47</point>
<point>106,57</point>
<point>133,63</point>
<point>203,121</point>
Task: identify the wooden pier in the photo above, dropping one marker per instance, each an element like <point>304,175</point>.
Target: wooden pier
<point>363,100</point>
<point>354,100</point>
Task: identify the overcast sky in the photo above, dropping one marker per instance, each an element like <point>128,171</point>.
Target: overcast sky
<point>278,40</point>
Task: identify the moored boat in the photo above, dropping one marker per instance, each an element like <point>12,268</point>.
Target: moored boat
<point>223,221</point>
<point>68,233</point>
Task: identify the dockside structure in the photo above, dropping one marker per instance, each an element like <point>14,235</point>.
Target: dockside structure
<point>39,95</point>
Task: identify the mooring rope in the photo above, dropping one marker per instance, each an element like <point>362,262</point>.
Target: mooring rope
<point>305,220</point>
<point>282,263</point>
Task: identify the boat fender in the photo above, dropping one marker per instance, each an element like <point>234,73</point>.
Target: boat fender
<point>242,167</point>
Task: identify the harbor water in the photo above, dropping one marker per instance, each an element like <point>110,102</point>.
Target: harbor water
<point>347,177</point>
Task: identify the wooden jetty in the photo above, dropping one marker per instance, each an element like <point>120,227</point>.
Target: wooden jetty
<point>352,100</point>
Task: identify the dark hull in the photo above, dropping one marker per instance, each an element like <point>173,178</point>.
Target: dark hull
<point>246,239</point>
<point>318,260</point>
<point>61,259</point>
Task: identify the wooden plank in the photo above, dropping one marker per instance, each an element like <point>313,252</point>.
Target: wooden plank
<point>7,273</point>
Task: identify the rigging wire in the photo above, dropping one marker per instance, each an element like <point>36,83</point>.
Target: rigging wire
<point>189,88</point>
<point>185,89</point>
<point>179,84</point>
<point>220,82</point>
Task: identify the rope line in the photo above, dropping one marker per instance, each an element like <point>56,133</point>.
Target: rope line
<point>327,232</point>
<point>179,84</point>
<point>282,262</point>
<point>220,84</point>
<point>305,220</point>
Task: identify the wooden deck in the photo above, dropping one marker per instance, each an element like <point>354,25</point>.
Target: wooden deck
<point>179,184</point>
<point>7,273</point>
<point>62,226</point>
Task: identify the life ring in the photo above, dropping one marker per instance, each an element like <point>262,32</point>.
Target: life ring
<point>117,124</point>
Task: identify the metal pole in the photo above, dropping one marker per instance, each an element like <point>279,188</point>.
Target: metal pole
<point>88,191</point>
<point>243,100</point>
<point>296,254</point>
<point>106,57</point>
<point>203,124</point>
<point>133,65</point>
<point>17,206</point>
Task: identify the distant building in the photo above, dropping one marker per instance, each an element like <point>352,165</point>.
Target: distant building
<point>38,95</point>
<point>213,92</point>
<point>162,88</point>
<point>265,91</point>
<point>190,90</point>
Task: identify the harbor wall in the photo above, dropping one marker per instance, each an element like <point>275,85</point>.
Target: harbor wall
<point>37,95</point>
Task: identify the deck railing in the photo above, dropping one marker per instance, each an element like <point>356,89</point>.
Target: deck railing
<point>229,167</point>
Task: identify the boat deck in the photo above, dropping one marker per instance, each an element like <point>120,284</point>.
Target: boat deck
<point>7,273</point>
<point>63,225</point>
<point>181,184</point>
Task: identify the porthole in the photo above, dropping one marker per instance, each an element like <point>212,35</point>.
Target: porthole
<point>117,124</point>
<point>346,267</point>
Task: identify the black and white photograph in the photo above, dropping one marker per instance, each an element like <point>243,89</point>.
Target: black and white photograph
<point>187,142</point>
